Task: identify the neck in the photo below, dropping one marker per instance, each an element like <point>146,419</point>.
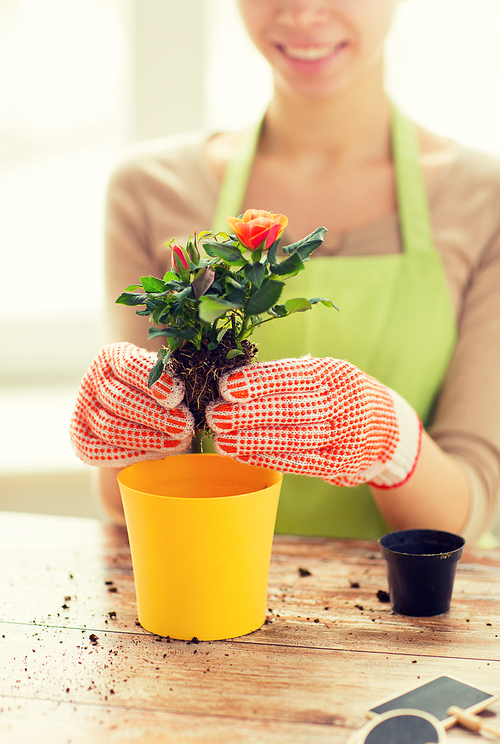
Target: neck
<point>354,124</point>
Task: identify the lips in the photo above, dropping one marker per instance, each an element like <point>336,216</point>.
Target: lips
<point>310,53</point>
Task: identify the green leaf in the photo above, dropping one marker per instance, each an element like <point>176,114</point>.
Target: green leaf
<point>271,254</point>
<point>221,250</point>
<point>236,297</point>
<point>133,287</point>
<point>152,284</point>
<point>297,305</point>
<point>211,308</point>
<point>255,272</point>
<point>184,294</point>
<point>164,354</point>
<point>308,244</point>
<point>187,334</point>
<point>156,372</point>
<point>324,301</point>
<point>208,249</point>
<point>256,254</point>
<point>217,288</point>
<point>265,297</point>
<point>221,334</point>
<point>175,285</point>
<point>152,302</point>
<point>131,299</point>
<point>291,265</point>
<point>233,353</point>
<point>161,315</point>
<point>279,311</point>
<point>170,276</point>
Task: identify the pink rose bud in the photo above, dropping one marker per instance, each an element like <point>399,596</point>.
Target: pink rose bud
<point>180,259</point>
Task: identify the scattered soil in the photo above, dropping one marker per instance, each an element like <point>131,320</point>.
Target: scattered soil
<point>201,370</point>
<point>383,596</point>
<point>304,572</point>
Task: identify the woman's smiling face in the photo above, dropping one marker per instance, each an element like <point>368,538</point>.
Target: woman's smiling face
<point>317,48</point>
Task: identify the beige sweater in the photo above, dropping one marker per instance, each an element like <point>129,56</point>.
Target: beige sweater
<point>166,189</point>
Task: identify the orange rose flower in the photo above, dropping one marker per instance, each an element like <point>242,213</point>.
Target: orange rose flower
<point>258,228</point>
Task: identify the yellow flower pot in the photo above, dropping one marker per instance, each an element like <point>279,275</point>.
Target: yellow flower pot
<point>201,530</point>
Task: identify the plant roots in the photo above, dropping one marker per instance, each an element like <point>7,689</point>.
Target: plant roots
<point>201,369</point>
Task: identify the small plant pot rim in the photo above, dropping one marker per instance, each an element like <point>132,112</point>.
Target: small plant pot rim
<point>421,547</point>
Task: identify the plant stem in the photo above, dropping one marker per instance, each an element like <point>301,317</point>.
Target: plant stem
<point>244,329</point>
<point>260,322</point>
<point>198,442</point>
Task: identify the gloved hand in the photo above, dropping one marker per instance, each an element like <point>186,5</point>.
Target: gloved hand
<point>118,420</point>
<point>316,417</point>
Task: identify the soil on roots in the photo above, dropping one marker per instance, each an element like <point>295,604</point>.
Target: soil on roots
<point>201,369</point>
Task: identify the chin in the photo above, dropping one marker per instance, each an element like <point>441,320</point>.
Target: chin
<point>311,90</point>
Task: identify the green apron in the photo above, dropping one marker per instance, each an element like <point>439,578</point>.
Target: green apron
<point>396,323</point>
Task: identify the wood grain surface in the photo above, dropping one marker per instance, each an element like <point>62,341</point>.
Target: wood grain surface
<point>78,668</point>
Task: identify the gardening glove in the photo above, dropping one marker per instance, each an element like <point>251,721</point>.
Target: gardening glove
<point>118,420</point>
<point>316,417</point>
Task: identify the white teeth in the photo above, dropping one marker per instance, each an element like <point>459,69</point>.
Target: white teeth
<point>308,53</point>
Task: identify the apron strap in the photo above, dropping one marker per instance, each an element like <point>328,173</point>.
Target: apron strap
<point>413,208</point>
<point>235,180</point>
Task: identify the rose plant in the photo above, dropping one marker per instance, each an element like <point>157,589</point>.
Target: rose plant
<point>207,306</point>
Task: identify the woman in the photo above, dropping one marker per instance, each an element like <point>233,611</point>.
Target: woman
<point>420,312</point>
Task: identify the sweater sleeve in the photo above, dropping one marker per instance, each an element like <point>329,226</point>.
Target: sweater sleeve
<point>128,255</point>
<point>466,422</point>
<point>162,190</point>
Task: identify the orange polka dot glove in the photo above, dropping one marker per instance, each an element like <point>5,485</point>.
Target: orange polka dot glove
<point>316,417</point>
<point>118,420</point>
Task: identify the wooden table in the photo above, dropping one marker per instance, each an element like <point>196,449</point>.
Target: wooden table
<point>77,667</point>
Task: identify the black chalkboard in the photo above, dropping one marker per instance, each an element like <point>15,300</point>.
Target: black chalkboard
<point>436,696</point>
<point>407,728</point>
<point>401,726</point>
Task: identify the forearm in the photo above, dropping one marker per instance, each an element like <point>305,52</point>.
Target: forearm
<point>107,492</point>
<point>436,496</point>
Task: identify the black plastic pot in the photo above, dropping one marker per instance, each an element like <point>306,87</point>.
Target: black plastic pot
<point>421,567</point>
